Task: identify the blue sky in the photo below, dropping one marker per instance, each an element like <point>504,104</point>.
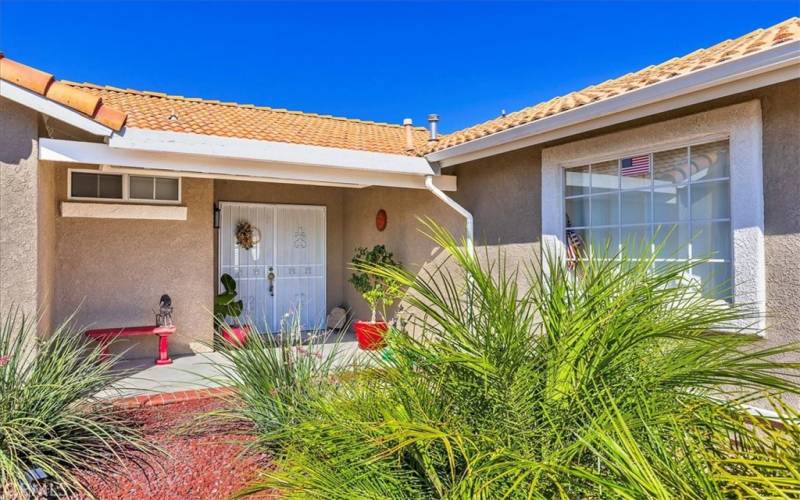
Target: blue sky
<point>376,61</point>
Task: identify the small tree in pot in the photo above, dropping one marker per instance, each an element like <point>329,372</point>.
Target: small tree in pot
<point>228,305</point>
<point>377,291</point>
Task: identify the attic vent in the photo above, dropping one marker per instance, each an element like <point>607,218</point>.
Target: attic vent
<point>173,117</point>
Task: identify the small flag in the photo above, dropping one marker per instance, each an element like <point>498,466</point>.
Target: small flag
<point>636,165</point>
<point>574,245</point>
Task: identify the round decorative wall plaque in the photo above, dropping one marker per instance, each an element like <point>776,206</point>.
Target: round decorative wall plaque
<point>381,220</point>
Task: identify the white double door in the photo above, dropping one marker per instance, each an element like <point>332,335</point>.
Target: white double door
<point>281,279</point>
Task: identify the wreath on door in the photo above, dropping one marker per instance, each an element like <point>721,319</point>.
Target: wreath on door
<point>247,236</point>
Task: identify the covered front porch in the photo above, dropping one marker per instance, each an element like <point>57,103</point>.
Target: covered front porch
<point>116,257</point>
<point>192,374</point>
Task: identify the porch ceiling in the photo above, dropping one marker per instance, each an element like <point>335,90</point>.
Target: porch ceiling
<point>251,160</point>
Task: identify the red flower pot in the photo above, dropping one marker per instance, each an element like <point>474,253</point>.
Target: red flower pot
<point>235,335</point>
<point>369,334</point>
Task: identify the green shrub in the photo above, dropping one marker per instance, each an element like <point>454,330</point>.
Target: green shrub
<point>378,291</point>
<point>612,381</point>
<point>49,417</point>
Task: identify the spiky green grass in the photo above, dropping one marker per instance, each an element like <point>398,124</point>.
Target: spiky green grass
<point>49,417</point>
<point>616,383</point>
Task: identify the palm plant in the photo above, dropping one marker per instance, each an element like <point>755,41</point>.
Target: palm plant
<point>612,381</point>
<point>50,420</point>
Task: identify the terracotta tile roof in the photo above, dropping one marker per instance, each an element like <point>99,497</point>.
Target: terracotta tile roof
<point>750,43</point>
<point>158,111</point>
<point>46,85</point>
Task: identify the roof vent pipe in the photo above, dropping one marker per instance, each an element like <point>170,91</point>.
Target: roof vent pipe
<point>408,125</point>
<point>432,120</point>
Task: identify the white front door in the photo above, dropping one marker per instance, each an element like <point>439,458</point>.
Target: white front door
<point>289,247</point>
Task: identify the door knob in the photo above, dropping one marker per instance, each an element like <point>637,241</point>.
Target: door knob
<point>271,278</point>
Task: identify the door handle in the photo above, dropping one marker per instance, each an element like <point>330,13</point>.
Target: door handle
<point>271,278</point>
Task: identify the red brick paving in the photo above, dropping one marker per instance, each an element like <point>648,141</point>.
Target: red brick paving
<point>172,397</point>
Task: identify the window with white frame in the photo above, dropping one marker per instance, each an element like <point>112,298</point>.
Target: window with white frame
<point>95,185</point>
<point>676,200</point>
<point>101,186</point>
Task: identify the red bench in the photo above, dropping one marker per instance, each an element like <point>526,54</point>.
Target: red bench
<point>106,335</point>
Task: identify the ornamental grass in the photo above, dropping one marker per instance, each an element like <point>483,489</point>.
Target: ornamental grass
<point>52,427</point>
<point>612,380</point>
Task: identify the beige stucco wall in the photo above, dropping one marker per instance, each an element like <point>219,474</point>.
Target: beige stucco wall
<point>401,236</point>
<point>503,194</point>
<point>26,219</point>
<point>114,271</point>
<point>330,197</point>
<point>781,128</point>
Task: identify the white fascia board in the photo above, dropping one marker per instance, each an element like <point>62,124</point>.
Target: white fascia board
<point>52,109</point>
<point>278,152</point>
<point>765,68</point>
<point>102,154</point>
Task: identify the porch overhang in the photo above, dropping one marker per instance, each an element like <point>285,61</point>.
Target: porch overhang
<point>195,155</point>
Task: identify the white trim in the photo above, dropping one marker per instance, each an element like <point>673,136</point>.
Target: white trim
<point>122,211</point>
<point>269,151</point>
<point>767,67</point>
<point>101,154</point>
<point>741,123</point>
<point>126,184</point>
<point>51,108</point>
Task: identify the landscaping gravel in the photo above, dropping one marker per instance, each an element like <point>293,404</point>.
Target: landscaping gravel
<point>205,464</point>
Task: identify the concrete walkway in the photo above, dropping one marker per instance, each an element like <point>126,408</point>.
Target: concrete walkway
<point>140,377</point>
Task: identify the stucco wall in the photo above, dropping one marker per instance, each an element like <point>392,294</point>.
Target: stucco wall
<point>19,214</point>
<point>503,194</point>
<point>781,128</point>
<point>401,236</point>
<point>330,197</point>
<point>114,271</point>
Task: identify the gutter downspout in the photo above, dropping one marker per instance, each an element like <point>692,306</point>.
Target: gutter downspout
<point>470,240</point>
<point>458,208</point>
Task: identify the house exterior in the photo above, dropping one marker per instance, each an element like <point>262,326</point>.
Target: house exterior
<point>111,197</point>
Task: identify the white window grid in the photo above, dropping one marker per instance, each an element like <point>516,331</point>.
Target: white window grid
<point>662,227</point>
<point>126,198</point>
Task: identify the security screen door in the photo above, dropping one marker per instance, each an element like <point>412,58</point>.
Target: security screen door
<point>281,279</point>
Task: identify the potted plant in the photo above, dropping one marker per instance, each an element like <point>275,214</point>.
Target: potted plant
<point>377,291</point>
<point>227,305</point>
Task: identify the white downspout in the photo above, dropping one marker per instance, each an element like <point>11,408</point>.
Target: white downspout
<point>458,208</point>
